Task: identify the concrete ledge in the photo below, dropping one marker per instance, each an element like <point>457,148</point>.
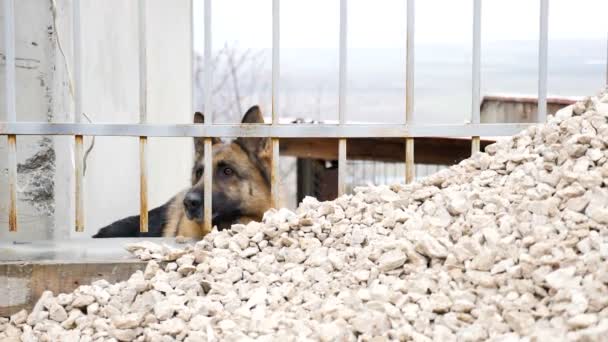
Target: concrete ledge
<point>28,269</point>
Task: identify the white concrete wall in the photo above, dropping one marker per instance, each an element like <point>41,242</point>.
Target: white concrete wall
<point>35,90</point>
<point>110,94</point>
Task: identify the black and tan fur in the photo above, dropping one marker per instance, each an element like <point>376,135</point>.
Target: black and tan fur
<point>241,190</point>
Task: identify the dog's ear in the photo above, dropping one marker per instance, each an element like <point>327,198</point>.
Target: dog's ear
<point>199,118</point>
<point>253,116</point>
<point>199,143</point>
<point>257,146</point>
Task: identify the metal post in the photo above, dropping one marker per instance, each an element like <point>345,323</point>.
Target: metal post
<point>208,165</point>
<point>342,95</point>
<point>9,47</point>
<point>476,77</point>
<point>11,109</point>
<point>143,118</point>
<point>12,182</point>
<point>274,171</point>
<point>543,43</point>
<point>78,139</point>
<point>409,90</point>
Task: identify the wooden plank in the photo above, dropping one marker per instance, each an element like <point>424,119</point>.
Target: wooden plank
<point>435,151</point>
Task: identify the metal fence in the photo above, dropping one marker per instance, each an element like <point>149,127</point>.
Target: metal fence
<point>342,131</point>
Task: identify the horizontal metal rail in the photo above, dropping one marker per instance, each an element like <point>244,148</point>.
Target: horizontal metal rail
<point>262,130</point>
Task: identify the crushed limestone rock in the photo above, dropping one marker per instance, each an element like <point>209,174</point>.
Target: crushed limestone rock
<point>508,245</point>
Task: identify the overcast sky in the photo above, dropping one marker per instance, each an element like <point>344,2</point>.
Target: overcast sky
<point>381,23</point>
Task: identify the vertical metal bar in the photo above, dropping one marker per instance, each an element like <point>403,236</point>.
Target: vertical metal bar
<point>343,61</point>
<point>275,181</point>
<point>342,95</point>
<point>143,63</point>
<point>207,76</point>
<point>143,118</point>
<point>409,90</point>
<point>476,76</point>
<point>208,183</point>
<point>543,46</point>
<point>274,171</point>
<point>143,185</point>
<point>342,168</point>
<point>276,61</point>
<point>78,157</point>
<point>475,144</point>
<point>77,53</point>
<point>78,139</point>
<point>11,109</point>
<point>9,47</point>
<point>192,59</point>
<point>410,168</point>
<point>207,159</point>
<point>12,182</point>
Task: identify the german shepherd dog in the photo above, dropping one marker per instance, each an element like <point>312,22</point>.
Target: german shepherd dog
<point>241,190</point>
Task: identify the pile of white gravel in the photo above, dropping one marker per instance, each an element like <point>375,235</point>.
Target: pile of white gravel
<point>508,245</point>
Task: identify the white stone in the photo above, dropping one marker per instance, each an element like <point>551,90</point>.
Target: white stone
<point>172,326</point>
<point>127,321</point>
<point>82,301</point>
<point>508,245</point>
<point>563,278</point>
<point>391,260</point>
<point>218,265</point>
<point>429,246</point>
<point>57,313</point>
<point>582,320</point>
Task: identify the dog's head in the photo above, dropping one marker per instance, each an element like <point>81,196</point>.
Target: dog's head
<point>241,177</point>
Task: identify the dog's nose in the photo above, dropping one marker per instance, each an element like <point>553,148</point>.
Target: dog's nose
<point>193,201</point>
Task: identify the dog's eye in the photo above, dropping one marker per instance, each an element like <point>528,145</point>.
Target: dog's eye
<point>228,171</point>
<point>199,172</point>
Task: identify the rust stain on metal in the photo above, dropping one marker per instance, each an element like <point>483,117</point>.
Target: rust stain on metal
<point>79,185</point>
<point>12,183</point>
<point>409,160</point>
<point>143,185</point>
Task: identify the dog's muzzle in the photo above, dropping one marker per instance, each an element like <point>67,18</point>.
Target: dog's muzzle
<point>193,205</point>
